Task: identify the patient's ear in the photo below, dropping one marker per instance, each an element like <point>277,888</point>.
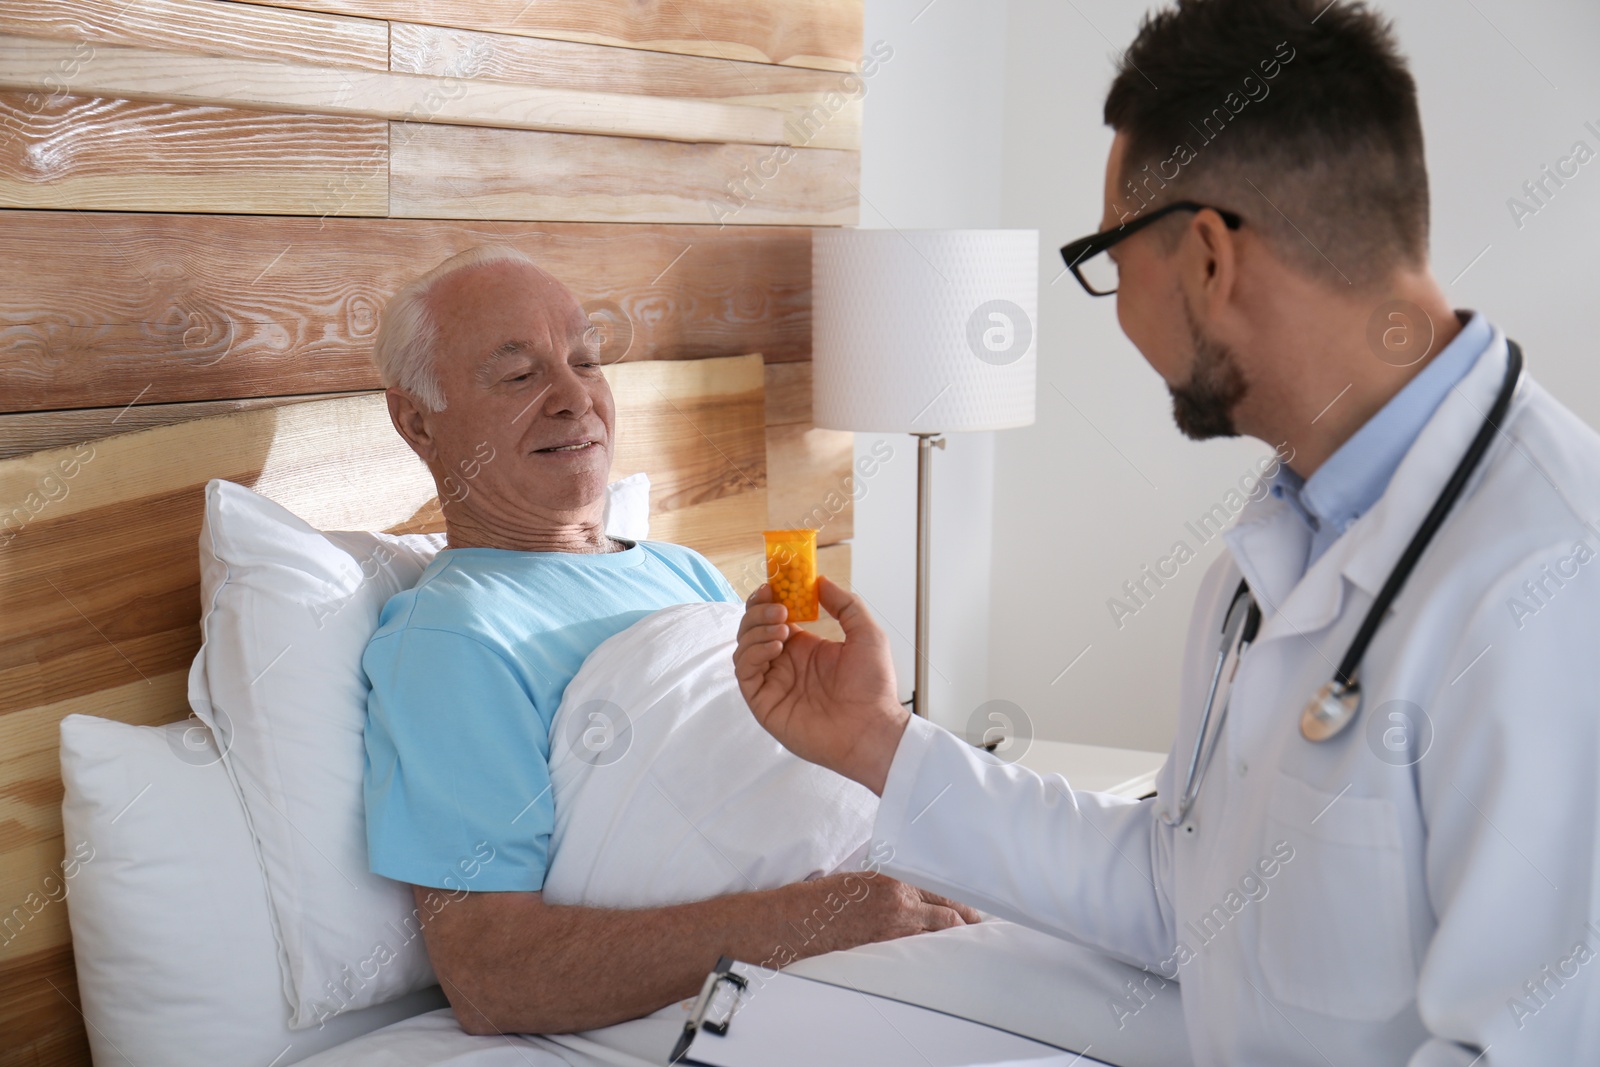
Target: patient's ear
<point>411,422</point>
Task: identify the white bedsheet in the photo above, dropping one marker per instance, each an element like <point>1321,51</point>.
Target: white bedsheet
<point>666,788</point>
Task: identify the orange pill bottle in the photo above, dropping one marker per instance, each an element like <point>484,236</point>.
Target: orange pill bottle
<point>792,572</point>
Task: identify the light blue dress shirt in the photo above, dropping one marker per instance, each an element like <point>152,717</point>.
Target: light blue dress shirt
<point>1352,479</point>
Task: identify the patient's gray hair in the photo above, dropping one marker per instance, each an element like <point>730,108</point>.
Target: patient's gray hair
<point>408,339</point>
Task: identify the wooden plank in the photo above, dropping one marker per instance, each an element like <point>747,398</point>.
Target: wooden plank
<point>39,929</point>
<point>31,431</point>
<point>461,172</point>
<point>219,29</point>
<point>825,34</point>
<point>40,1012</point>
<point>813,483</point>
<point>788,390</point>
<point>85,614</point>
<point>834,561</point>
<point>136,73</point>
<point>117,309</point>
<point>696,428</point>
<point>823,107</point>
<point>120,155</point>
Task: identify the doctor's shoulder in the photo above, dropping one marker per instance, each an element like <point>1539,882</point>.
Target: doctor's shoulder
<point>1523,556</point>
<point>1544,474</point>
<point>1563,449</point>
<point>1540,482</point>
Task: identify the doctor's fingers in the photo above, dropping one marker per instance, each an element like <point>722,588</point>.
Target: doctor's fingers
<point>755,637</point>
<point>851,611</point>
<point>751,669</point>
<point>762,614</point>
<point>756,651</point>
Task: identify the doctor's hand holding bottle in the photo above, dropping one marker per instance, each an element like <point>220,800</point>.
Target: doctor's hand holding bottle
<point>834,704</point>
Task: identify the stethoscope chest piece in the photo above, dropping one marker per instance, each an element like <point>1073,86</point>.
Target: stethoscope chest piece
<point>1330,711</point>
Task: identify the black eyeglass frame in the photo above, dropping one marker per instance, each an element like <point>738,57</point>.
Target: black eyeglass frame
<point>1075,252</point>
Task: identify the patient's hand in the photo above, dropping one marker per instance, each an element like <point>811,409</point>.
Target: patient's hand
<point>873,907</point>
<point>833,703</point>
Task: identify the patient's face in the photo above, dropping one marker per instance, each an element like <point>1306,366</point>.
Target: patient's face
<point>524,441</point>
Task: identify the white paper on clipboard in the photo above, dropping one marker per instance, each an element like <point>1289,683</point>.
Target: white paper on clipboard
<point>751,1017</point>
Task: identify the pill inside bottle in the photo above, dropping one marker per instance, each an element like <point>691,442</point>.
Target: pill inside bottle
<point>792,572</point>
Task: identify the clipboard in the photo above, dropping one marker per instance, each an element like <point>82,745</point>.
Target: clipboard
<point>748,1016</point>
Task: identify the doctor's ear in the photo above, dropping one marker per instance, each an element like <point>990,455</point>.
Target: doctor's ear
<point>1208,261</point>
<point>411,422</point>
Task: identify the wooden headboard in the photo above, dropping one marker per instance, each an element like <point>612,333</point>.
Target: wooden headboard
<point>204,205</point>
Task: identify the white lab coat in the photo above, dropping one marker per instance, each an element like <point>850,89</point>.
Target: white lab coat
<point>1333,906</point>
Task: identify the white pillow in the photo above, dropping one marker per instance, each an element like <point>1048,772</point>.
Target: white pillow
<point>170,931</point>
<point>628,507</point>
<point>287,613</point>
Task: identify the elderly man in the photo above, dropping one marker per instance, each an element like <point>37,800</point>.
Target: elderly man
<point>494,381</point>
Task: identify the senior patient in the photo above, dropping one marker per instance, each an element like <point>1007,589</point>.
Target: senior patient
<point>494,380</point>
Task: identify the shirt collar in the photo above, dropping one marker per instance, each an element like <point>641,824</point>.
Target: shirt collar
<point>1352,479</point>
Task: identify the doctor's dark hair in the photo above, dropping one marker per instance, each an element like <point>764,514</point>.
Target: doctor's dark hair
<point>1309,102</point>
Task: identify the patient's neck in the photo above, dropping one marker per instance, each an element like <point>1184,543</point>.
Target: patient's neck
<point>468,528</point>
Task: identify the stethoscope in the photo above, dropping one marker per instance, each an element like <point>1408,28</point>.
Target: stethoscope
<point>1334,707</point>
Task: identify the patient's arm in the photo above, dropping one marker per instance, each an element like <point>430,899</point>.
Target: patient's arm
<point>511,963</point>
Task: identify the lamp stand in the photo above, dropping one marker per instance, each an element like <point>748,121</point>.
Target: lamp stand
<point>926,443</point>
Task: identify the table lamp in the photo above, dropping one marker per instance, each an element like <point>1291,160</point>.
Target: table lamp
<point>924,332</point>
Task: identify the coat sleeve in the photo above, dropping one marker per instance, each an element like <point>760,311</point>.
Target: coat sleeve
<point>1031,849</point>
<point>1092,868</point>
<point>1512,804</point>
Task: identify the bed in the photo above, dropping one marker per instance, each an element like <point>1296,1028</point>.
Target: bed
<point>158,875</point>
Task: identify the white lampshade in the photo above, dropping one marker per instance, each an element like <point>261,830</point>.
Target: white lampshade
<point>924,331</point>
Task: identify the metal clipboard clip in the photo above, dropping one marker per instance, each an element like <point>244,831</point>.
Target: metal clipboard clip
<point>719,999</point>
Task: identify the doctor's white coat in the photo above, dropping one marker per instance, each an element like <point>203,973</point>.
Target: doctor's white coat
<point>1422,889</point>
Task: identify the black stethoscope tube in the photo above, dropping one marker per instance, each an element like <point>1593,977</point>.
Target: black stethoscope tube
<point>1335,705</point>
<point>1346,674</point>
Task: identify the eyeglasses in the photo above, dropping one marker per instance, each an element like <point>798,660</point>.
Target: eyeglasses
<point>1097,272</point>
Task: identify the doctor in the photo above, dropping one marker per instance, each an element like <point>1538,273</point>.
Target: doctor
<point>1374,840</point>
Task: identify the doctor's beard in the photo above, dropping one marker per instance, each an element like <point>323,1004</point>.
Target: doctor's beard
<point>1203,406</point>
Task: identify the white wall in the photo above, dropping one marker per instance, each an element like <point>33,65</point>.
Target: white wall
<point>1104,484</point>
<point>931,160</point>
<point>989,114</point>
